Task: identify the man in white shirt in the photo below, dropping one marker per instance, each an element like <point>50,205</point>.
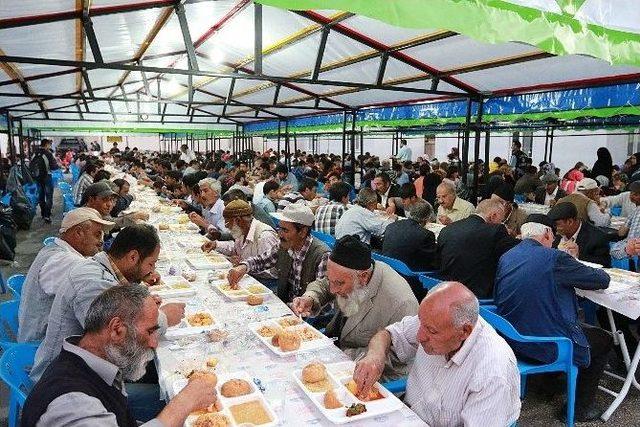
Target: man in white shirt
<point>250,237</point>
<point>187,155</point>
<point>463,372</point>
<point>81,235</point>
<point>404,153</point>
<point>213,206</point>
<point>451,207</point>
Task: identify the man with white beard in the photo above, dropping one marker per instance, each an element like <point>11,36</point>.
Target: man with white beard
<point>85,385</point>
<point>369,296</point>
<point>250,237</point>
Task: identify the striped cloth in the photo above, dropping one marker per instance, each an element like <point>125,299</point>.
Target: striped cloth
<point>479,386</point>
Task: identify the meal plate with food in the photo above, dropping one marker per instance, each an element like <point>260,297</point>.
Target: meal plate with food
<point>240,402</point>
<point>194,322</point>
<point>336,396</point>
<point>285,338</point>
<point>211,261</point>
<point>173,287</point>
<point>246,287</point>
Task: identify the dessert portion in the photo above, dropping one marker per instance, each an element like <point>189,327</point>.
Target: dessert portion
<point>207,375</point>
<point>200,319</point>
<point>287,340</point>
<point>255,300</point>
<point>212,420</point>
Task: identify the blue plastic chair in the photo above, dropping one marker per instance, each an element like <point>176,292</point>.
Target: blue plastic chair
<point>6,199</point>
<point>15,365</point>
<point>8,324</point>
<point>56,176</point>
<point>68,203</point>
<point>563,362</point>
<point>616,210</point>
<point>65,188</point>
<point>428,281</point>
<point>14,283</point>
<point>32,193</point>
<point>75,173</point>
<point>399,266</point>
<point>326,238</point>
<point>48,241</point>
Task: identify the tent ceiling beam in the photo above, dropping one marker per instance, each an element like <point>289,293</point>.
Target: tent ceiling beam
<point>14,73</point>
<point>229,96</point>
<point>321,47</point>
<point>113,114</point>
<point>80,111</point>
<point>131,121</point>
<point>374,44</point>
<point>80,43</point>
<point>23,21</point>
<point>87,23</point>
<point>40,76</point>
<point>87,83</point>
<point>384,58</point>
<point>186,36</point>
<point>276,94</point>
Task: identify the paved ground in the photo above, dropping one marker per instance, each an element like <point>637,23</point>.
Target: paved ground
<point>538,410</point>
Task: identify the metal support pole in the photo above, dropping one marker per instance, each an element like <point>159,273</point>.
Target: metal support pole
<point>476,152</point>
<point>257,45</point>
<point>10,146</point>
<point>546,143</point>
<point>344,136</point>
<point>361,153</point>
<point>21,143</point>
<point>287,152</point>
<point>279,131</point>
<point>186,36</point>
<point>353,149</point>
<point>550,144</point>
<point>465,143</point>
<point>487,143</point>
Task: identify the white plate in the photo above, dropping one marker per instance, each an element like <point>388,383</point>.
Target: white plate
<point>227,403</point>
<point>243,292</point>
<point>389,403</point>
<point>168,290</point>
<point>320,342</point>
<point>183,329</point>
<point>202,262</point>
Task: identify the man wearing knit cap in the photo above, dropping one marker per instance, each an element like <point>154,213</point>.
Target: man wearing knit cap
<point>81,235</point>
<point>369,295</point>
<point>299,259</point>
<point>250,236</point>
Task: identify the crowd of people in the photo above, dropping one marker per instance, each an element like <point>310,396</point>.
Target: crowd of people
<point>261,209</point>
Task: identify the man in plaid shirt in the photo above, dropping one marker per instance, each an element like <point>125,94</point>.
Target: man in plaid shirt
<point>85,180</point>
<point>631,245</point>
<point>328,215</point>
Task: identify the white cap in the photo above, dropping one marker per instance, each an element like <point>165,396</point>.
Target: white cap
<point>80,215</point>
<point>587,184</point>
<point>298,213</point>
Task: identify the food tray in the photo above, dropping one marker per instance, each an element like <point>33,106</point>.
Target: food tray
<point>209,262</point>
<point>248,286</point>
<point>173,287</point>
<point>308,345</point>
<point>184,329</point>
<point>389,402</point>
<point>228,402</point>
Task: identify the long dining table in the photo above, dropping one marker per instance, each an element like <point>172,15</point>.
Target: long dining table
<point>238,349</point>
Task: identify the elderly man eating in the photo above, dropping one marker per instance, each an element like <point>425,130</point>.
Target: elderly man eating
<point>369,297</point>
<point>211,219</point>
<point>463,372</point>
<point>451,207</point>
<point>250,236</point>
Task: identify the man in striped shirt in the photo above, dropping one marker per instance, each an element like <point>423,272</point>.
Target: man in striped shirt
<point>327,216</point>
<point>85,180</point>
<point>463,372</point>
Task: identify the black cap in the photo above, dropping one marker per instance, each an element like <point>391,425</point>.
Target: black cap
<point>541,219</point>
<point>350,252</point>
<point>634,187</point>
<point>564,210</point>
<point>505,192</point>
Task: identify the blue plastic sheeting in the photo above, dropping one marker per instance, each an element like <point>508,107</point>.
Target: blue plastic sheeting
<point>566,100</point>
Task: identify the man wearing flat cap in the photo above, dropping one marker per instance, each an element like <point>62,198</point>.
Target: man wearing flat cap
<point>299,259</point>
<point>369,296</point>
<point>551,192</point>
<point>535,291</point>
<point>102,196</point>
<point>578,238</point>
<point>250,237</point>
<point>587,201</point>
<point>514,216</point>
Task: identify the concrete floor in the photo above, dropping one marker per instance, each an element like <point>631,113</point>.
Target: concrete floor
<point>537,410</point>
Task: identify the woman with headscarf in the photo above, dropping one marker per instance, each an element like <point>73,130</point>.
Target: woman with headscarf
<point>604,165</point>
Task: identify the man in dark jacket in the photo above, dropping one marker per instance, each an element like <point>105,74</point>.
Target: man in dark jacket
<point>551,192</point>
<point>535,291</point>
<point>578,238</point>
<point>42,164</point>
<point>469,249</point>
<point>388,194</point>
<point>408,240</point>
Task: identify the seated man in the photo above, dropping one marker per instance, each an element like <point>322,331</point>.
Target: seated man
<point>81,234</point>
<point>270,198</point>
<point>101,196</point>
<point>451,207</point>
<point>408,195</point>
<point>369,296</point>
<point>535,292</point>
<point>130,259</point>
<point>299,259</point>
<point>630,246</point>
<point>551,192</point>
<point>212,206</point>
<point>578,238</point>
<point>306,194</point>
<point>469,249</point>
<point>85,180</point>
<point>388,195</point>
<point>362,220</point>
<point>587,201</point>
<point>463,372</point>
<point>623,200</point>
<point>250,236</point>
<point>514,216</point>
<point>327,216</point>
<point>409,241</point>
<point>84,385</point>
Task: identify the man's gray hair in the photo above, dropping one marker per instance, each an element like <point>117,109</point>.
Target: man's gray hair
<point>212,183</point>
<point>420,211</point>
<point>448,185</point>
<point>488,206</point>
<point>531,230</point>
<point>366,196</point>
<point>464,311</point>
<point>122,301</point>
